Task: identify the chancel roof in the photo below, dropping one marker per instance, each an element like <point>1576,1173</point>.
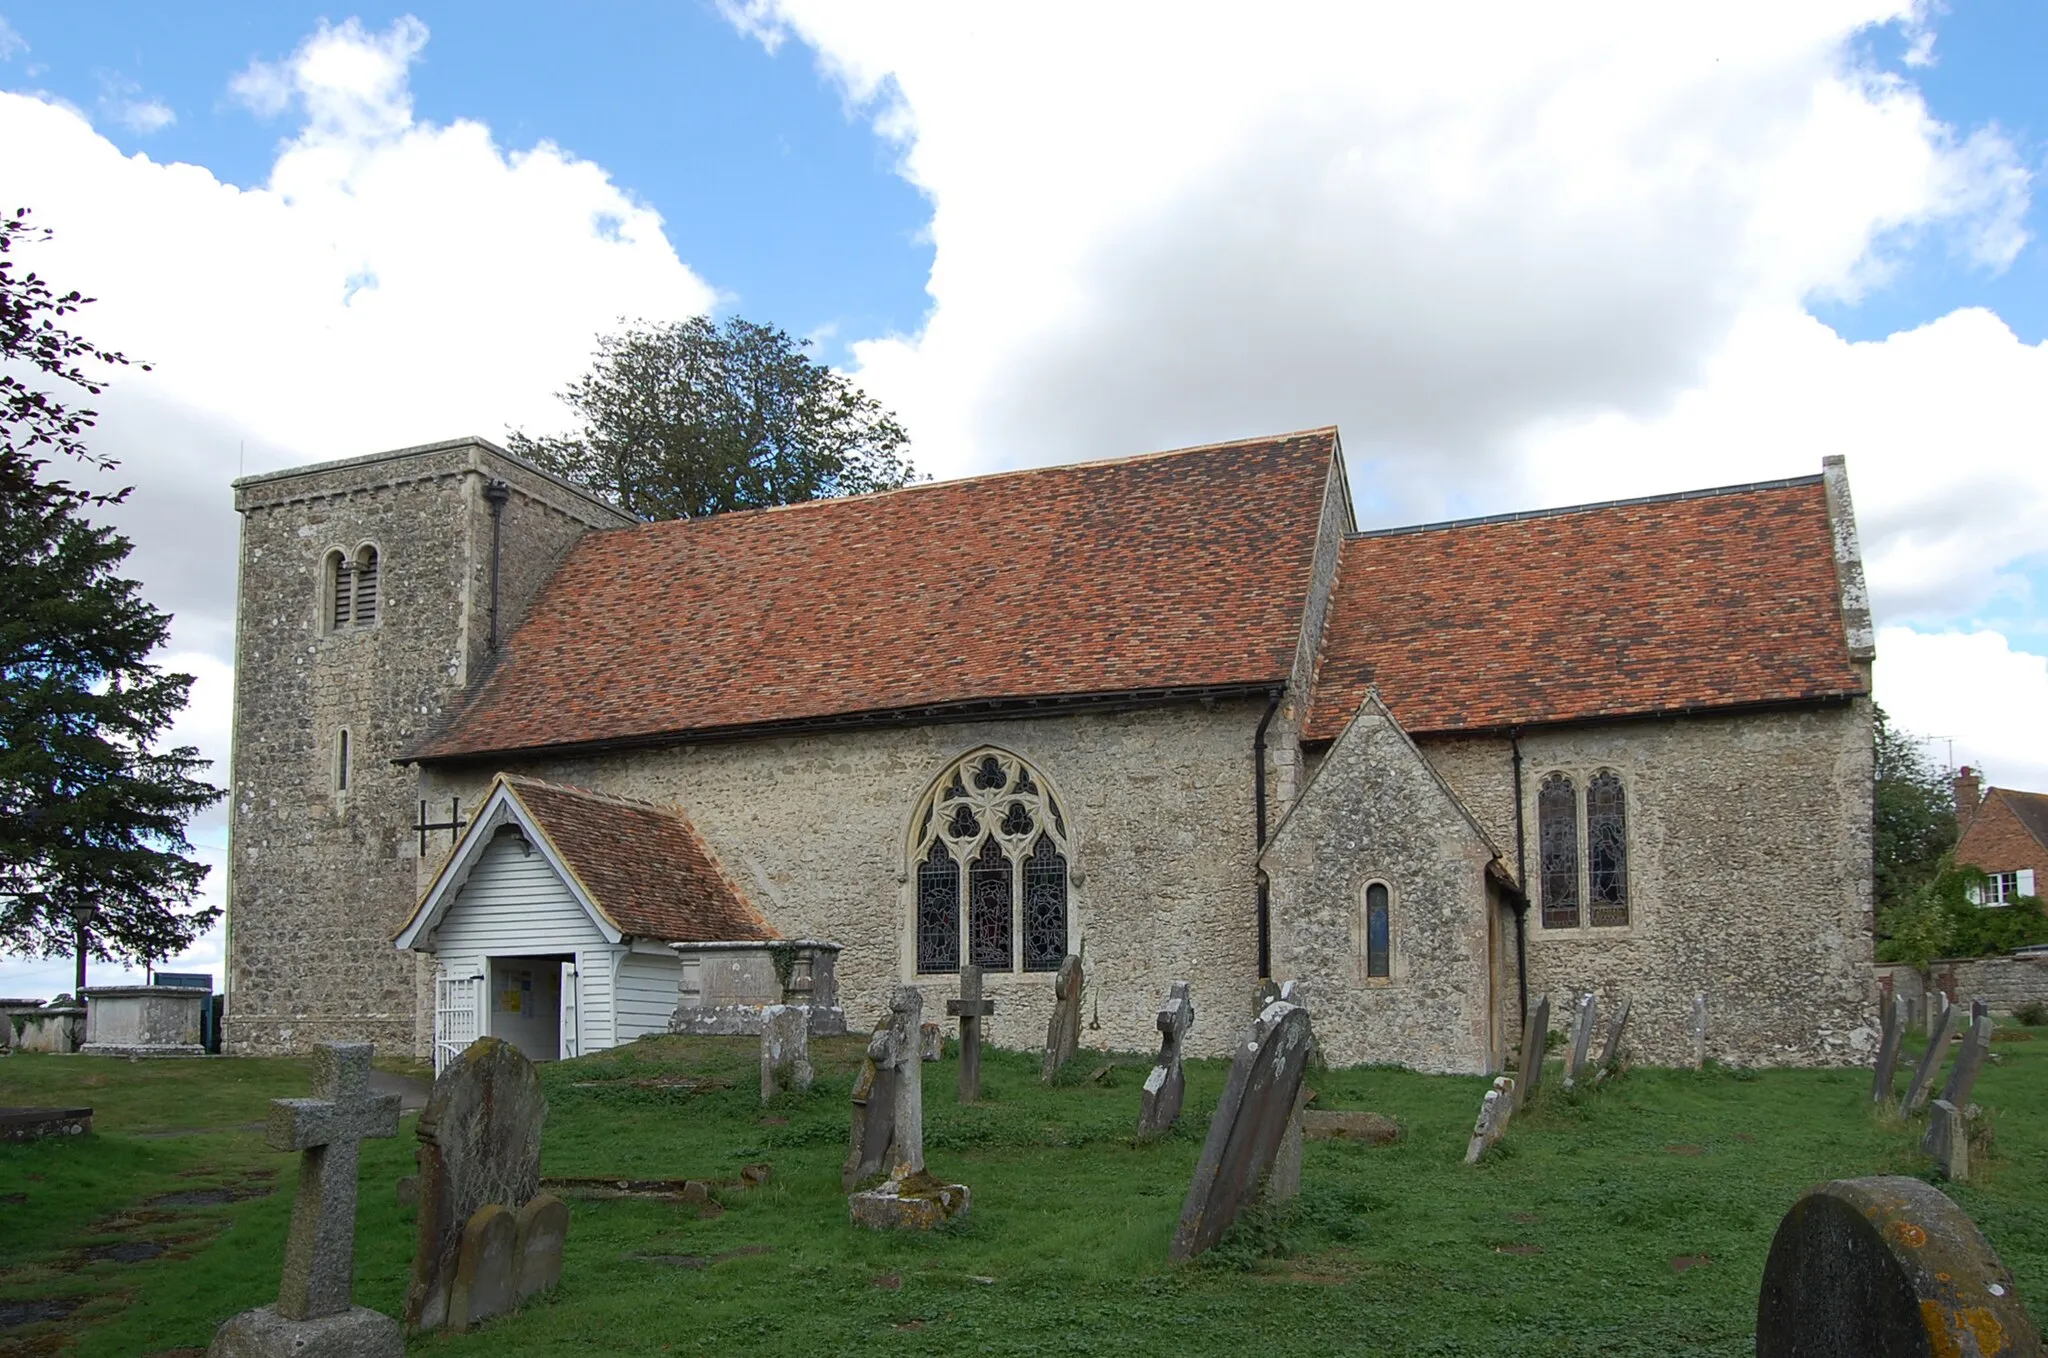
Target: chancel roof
<point>1177,571</point>
<point>1711,600</point>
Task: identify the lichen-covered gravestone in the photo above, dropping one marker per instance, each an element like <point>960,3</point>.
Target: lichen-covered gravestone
<point>1167,1086</point>
<point>1892,1032</point>
<point>1245,1133</point>
<point>911,1198</point>
<point>1063,1033</point>
<point>1494,1111</point>
<point>479,1147</point>
<point>1535,1034</point>
<point>785,1049</point>
<point>874,1114</point>
<point>1886,1268</point>
<point>314,1315</point>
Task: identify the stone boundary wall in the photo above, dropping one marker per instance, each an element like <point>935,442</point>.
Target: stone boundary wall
<point>2005,983</point>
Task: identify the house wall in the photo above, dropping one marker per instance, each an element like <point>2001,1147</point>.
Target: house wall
<point>1996,842</point>
<point>816,830</point>
<point>1749,878</point>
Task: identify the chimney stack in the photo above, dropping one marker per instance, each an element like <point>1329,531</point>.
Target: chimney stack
<point>1969,793</point>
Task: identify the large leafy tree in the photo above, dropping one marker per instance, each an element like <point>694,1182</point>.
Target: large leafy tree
<point>694,418</point>
<point>92,815</point>
<point>1915,821</point>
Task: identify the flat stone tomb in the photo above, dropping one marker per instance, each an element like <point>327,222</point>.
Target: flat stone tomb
<point>911,1199</point>
<point>1167,1086</point>
<point>33,1124</point>
<point>1535,1033</point>
<point>314,1313</point>
<point>1063,1032</point>
<point>785,1049</point>
<point>1886,1267</point>
<point>971,1008</point>
<point>1892,1033</point>
<point>1930,1063</point>
<point>1250,1120</point>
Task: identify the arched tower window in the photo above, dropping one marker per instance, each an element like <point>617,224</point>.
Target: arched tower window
<point>1378,931</point>
<point>340,591</point>
<point>341,760</point>
<point>366,587</point>
<point>991,869</point>
<point>1606,849</point>
<point>1557,839</point>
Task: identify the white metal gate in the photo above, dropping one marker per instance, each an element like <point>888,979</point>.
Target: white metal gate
<point>572,1045</point>
<point>455,1025</point>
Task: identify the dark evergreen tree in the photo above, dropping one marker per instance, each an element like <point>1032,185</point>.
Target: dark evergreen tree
<point>695,418</point>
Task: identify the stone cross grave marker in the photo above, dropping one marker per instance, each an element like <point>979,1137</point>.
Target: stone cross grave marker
<point>1699,1032</point>
<point>479,1146</point>
<point>1891,1033</point>
<point>910,1198</point>
<point>1948,1140</point>
<point>1611,1051</point>
<point>1535,1033</point>
<point>1244,1135</point>
<point>970,1009</point>
<point>1584,1021</point>
<point>1494,1111</point>
<point>1962,1079</point>
<point>1930,1062</point>
<point>785,1049</point>
<point>313,1309</point>
<point>1063,1033</point>
<point>1167,1086</point>
<point>874,1113</point>
<point>1886,1267</point>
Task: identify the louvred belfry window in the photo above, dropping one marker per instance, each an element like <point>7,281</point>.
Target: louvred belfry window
<point>341,591</point>
<point>366,587</point>
<point>1557,839</point>
<point>991,875</point>
<point>1606,849</point>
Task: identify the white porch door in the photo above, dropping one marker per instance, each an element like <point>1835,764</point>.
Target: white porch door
<point>455,1017</point>
<point>572,1047</point>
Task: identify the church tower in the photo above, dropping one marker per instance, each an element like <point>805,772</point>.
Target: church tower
<point>373,591</point>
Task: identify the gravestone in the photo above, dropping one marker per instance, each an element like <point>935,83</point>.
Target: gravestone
<point>1962,1079</point>
<point>931,1042</point>
<point>1535,1034</point>
<point>1938,1005</point>
<point>970,1009</point>
<point>1167,1086</point>
<point>1063,1033</point>
<point>1886,1267</point>
<point>785,1049</point>
<point>541,1231</point>
<point>1892,1032</point>
<point>486,1267</point>
<point>314,1313</point>
<point>1699,1032</point>
<point>874,1114</point>
<point>1930,1062</point>
<point>911,1198</point>
<point>1284,1183</point>
<point>479,1145</point>
<point>1584,1020</point>
<point>1948,1140</point>
<point>1494,1111</point>
<point>1251,1118</point>
<point>1610,1053</point>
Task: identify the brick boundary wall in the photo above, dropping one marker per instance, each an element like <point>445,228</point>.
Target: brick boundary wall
<point>2005,983</point>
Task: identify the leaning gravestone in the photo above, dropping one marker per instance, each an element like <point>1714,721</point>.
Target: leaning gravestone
<point>785,1049</point>
<point>1610,1053</point>
<point>1892,1031</point>
<point>970,1009</point>
<point>1535,1033</point>
<point>874,1114</point>
<point>1494,1111</point>
<point>1251,1118</point>
<point>314,1314</point>
<point>1962,1079</point>
<point>479,1147</point>
<point>1583,1024</point>
<point>1063,1033</point>
<point>1886,1268</point>
<point>1283,1184</point>
<point>1930,1062</point>
<point>1167,1085</point>
<point>1948,1140</point>
<point>911,1198</point>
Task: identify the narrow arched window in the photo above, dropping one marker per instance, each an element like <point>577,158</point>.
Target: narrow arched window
<point>339,579</point>
<point>1557,840</point>
<point>366,587</point>
<point>991,855</point>
<point>1378,931</point>
<point>341,760</point>
<point>1606,849</point>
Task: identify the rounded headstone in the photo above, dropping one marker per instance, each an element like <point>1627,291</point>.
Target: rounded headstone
<point>486,1270</point>
<point>1886,1267</point>
<point>542,1229</point>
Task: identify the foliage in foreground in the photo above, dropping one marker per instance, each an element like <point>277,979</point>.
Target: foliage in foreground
<point>1940,919</point>
<point>1915,817</point>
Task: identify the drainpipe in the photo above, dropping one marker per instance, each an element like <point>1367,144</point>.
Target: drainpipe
<point>1521,882</point>
<point>1259,804</point>
<point>496,493</point>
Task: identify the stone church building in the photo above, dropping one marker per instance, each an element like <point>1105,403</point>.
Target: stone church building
<point>1173,712</point>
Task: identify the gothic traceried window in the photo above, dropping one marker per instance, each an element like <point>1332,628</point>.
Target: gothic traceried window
<point>1378,931</point>
<point>1557,839</point>
<point>992,858</point>
<point>1606,849</point>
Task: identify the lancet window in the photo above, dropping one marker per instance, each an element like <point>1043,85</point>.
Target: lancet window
<point>991,861</point>
<point>1557,839</point>
<point>1606,849</point>
<point>1600,874</point>
<point>1378,931</point>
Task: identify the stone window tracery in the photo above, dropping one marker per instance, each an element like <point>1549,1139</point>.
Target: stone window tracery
<point>992,869</point>
<point>1557,840</point>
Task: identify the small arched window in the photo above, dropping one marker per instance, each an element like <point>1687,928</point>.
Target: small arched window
<point>341,761</point>
<point>366,587</point>
<point>1557,840</point>
<point>991,869</point>
<point>340,591</point>
<point>1378,931</point>
<point>1606,849</point>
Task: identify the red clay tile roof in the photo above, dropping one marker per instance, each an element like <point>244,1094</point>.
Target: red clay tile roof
<point>644,865</point>
<point>1715,600</point>
<point>1178,570</point>
<point>2030,809</point>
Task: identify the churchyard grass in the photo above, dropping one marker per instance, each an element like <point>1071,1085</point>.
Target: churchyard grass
<point>1632,1218</point>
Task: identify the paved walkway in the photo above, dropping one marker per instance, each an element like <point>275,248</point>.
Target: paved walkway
<point>411,1091</point>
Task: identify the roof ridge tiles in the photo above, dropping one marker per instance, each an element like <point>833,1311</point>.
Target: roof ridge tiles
<point>1668,497</point>
<point>519,780</point>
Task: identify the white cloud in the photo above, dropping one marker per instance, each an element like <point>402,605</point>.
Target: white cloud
<point>123,101</point>
<point>1972,692</point>
<point>11,42</point>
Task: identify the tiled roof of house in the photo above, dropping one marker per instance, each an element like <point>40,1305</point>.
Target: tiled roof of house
<point>2030,809</point>
<point>1710,600</point>
<point>644,866</point>
<point>1173,571</point>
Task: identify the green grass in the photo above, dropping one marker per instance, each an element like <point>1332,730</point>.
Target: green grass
<point>1561,1242</point>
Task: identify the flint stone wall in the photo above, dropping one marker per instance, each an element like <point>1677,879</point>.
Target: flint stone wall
<point>2004,983</point>
<point>320,878</point>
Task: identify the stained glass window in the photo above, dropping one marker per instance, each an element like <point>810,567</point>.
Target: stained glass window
<point>1378,930</point>
<point>1606,849</point>
<point>991,854</point>
<point>1557,840</point>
